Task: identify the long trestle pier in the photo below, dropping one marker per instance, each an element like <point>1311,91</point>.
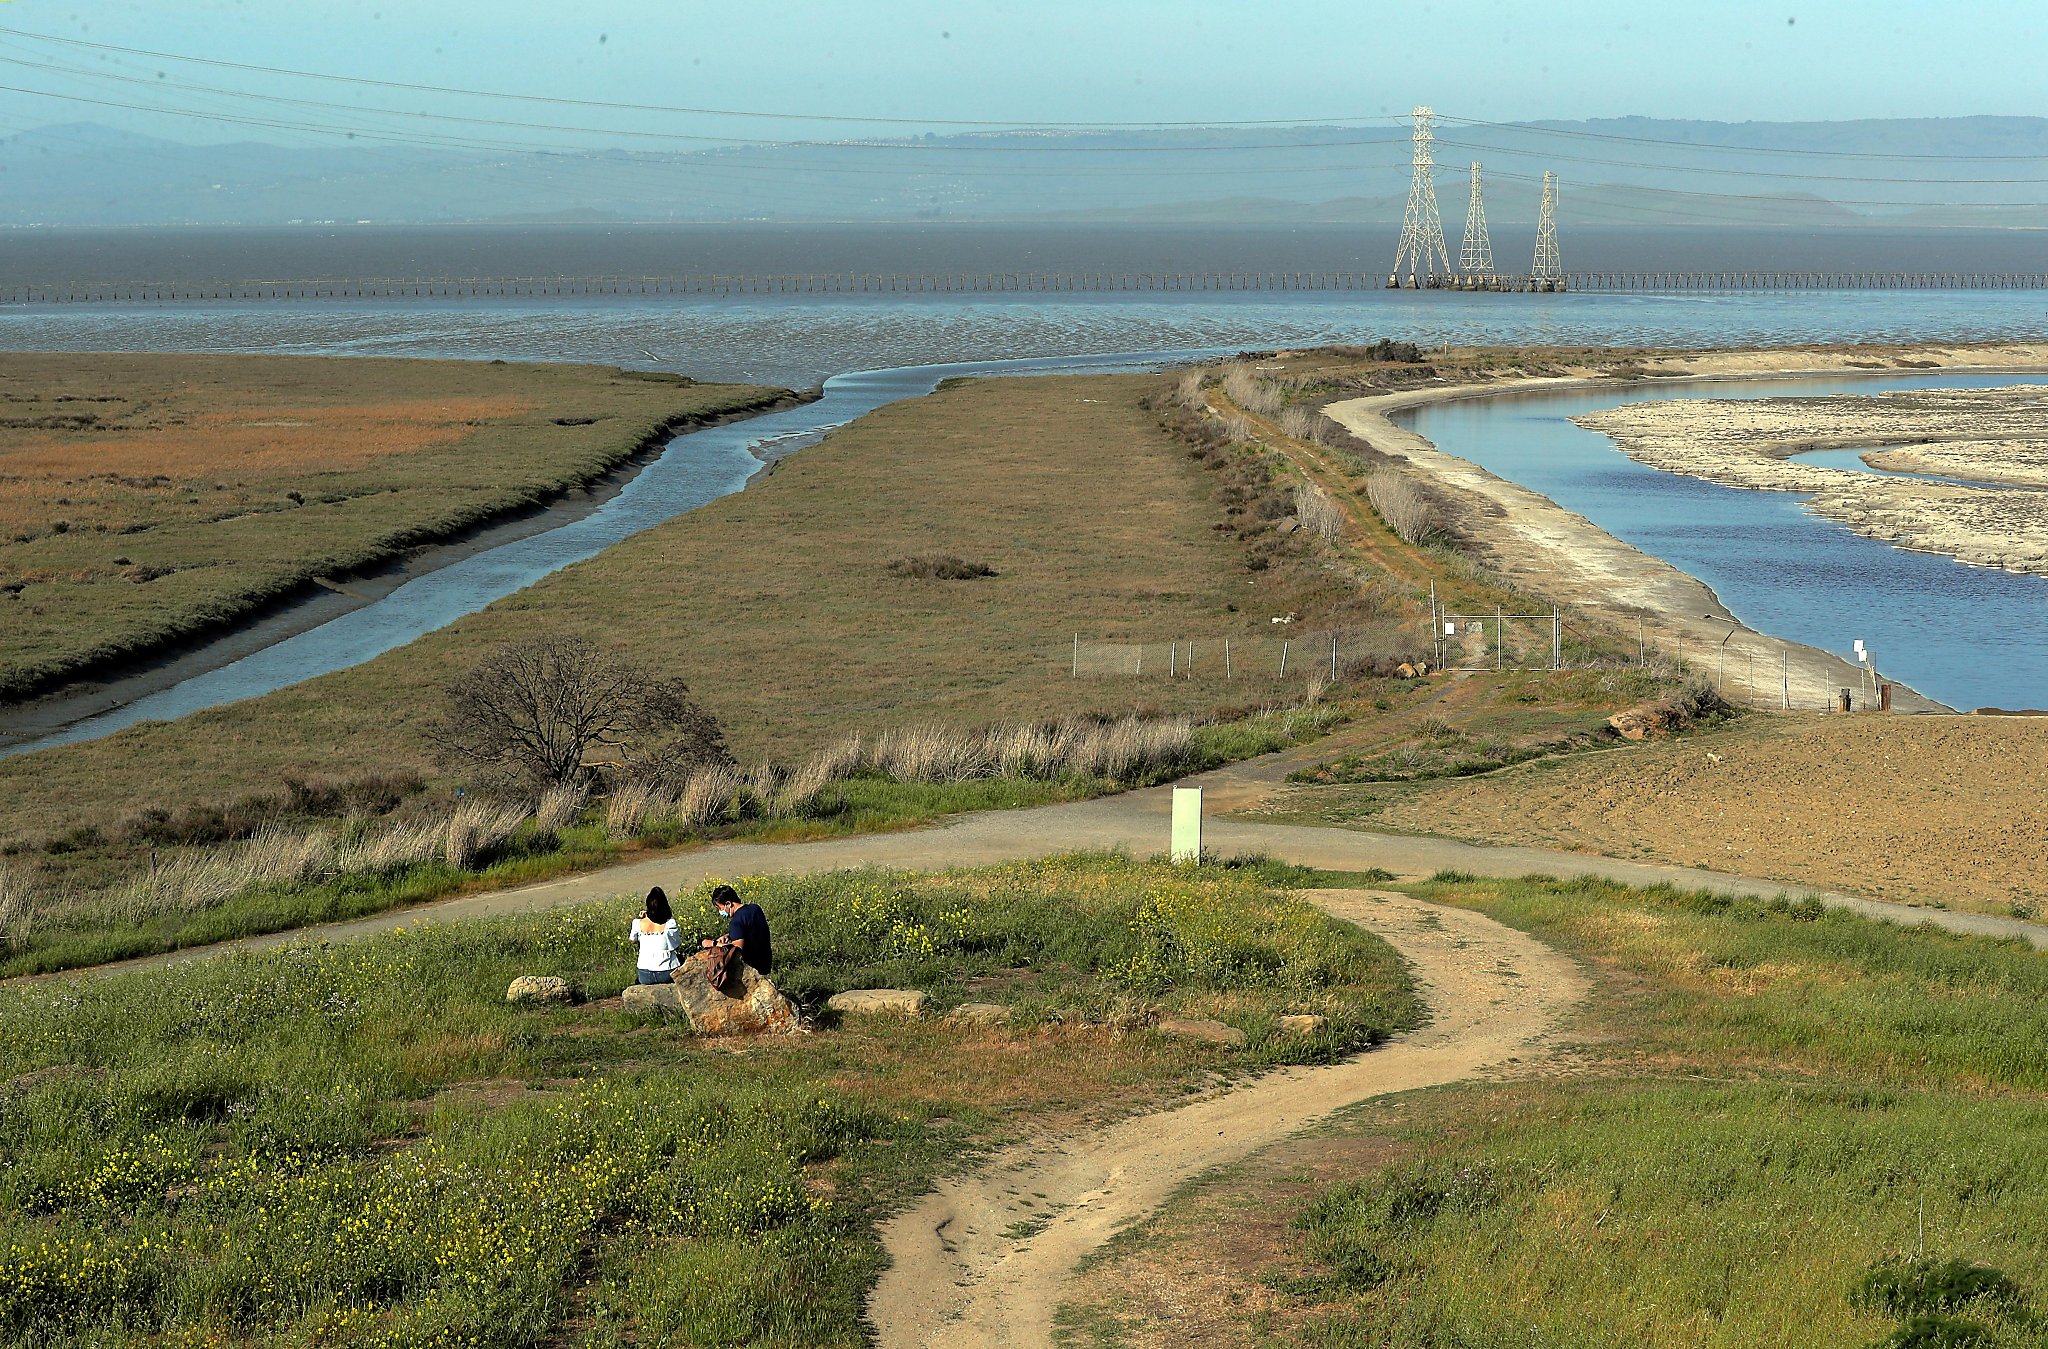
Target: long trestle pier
<point>992,283</point>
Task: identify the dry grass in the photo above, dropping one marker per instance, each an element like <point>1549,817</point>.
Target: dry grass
<point>559,807</point>
<point>1403,506</point>
<point>477,826</point>
<point>769,606</point>
<point>145,498</point>
<point>1318,514</point>
<point>708,796</point>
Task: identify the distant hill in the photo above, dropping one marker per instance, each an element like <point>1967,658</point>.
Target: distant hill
<point>1620,171</point>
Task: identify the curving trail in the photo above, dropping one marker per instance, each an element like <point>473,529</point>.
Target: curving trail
<point>973,1264</point>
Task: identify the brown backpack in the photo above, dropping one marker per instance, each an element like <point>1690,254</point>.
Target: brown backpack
<point>721,969</point>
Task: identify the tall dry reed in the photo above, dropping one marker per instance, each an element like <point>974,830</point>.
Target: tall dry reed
<point>477,826</point>
<point>17,909</point>
<point>1251,393</point>
<point>1403,505</point>
<point>1319,515</point>
<point>707,795</point>
<point>631,804</point>
<point>560,806</point>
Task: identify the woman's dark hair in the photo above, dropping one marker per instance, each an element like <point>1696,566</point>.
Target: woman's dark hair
<point>658,910</point>
<point>724,894</point>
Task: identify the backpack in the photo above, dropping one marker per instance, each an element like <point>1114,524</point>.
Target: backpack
<point>721,969</point>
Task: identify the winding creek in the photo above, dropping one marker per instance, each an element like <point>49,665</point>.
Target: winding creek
<point>1966,636</point>
<point>695,469</point>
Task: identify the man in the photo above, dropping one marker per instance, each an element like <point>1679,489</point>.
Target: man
<point>746,930</point>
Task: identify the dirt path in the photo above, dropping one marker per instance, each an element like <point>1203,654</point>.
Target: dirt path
<point>986,1259</point>
<point>1134,822</point>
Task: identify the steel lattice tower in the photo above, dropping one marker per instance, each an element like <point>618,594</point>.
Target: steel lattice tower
<point>1548,267</point>
<point>1475,255</point>
<point>1422,227</point>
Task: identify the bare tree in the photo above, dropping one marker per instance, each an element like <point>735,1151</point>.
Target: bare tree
<point>541,712</point>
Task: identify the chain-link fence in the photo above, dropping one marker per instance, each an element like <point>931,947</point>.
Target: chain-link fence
<point>1255,657</point>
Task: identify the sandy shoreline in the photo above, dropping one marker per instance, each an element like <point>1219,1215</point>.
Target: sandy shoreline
<point>1564,555</point>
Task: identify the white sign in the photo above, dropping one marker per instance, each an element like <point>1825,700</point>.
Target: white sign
<point>1862,655</point>
<point>1450,627</point>
<point>1859,646</point>
<point>1187,824</point>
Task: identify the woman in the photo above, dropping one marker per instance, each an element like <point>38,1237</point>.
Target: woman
<point>656,934</point>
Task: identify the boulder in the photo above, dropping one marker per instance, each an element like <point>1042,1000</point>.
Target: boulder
<point>1303,1023</point>
<point>751,1006</point>
<point>980,1014</point>
<point>1189,1028</point>
<point>882,1001</point>
<point>540,988</point>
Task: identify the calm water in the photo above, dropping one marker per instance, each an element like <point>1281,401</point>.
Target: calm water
<point>800,340</point>
<point>1967,636</point>
<point>1782,570</point>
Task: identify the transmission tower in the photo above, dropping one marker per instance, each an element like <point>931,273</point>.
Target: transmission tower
<point>1422,227</point>
<point>1475,255</point>
<point>1548,268</point>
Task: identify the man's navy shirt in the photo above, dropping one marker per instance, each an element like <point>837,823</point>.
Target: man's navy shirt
<point>750,925</point>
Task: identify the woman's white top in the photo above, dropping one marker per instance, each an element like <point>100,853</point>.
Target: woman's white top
<point>657,944</point>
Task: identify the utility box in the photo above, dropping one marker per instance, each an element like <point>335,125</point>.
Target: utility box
<point>1187,824</point>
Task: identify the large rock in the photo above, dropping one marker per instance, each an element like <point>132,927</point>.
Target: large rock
<point>1303,1023</point>
<point>1190,1028</point>
<point>540,988</point>
<point>752,1007</point>
<point>885,1001</point>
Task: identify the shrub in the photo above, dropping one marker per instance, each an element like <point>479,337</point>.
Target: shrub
<point>939,567</point>
<point>533,713</point>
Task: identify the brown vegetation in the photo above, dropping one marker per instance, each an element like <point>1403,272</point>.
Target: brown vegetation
<point>149,499</point>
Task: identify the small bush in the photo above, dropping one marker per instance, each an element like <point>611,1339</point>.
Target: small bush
<point>939,567</point>
<point>1901,1287</point>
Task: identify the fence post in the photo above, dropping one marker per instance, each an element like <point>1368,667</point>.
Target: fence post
<point>1496,636</point>
<point>1333,658</point>
<point>1283,658</point>
<point>1077,656</point>
<point>1785,677</point>
<point>1172,659</point>
<point>1556,638</point>
<point>1226,658</point>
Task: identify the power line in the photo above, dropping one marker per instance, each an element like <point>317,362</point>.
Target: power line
<point>1739,173</point>
<point>1525,128</point>
<point>1015,123</point>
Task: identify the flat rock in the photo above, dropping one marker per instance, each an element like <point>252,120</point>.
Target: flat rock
<point>540,988</point>
<point>882,1001</point>
<point>1302,1023</point>
<point>981,1014</point>
<point>1190,1028</point>
<point>752,1007</point>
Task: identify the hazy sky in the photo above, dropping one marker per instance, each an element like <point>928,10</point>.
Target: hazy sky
<point>1069,60</point>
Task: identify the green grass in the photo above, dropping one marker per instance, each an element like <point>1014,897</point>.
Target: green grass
<point>1797,1095</point>
<point>97,928</point>
<point>364,1145</point>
